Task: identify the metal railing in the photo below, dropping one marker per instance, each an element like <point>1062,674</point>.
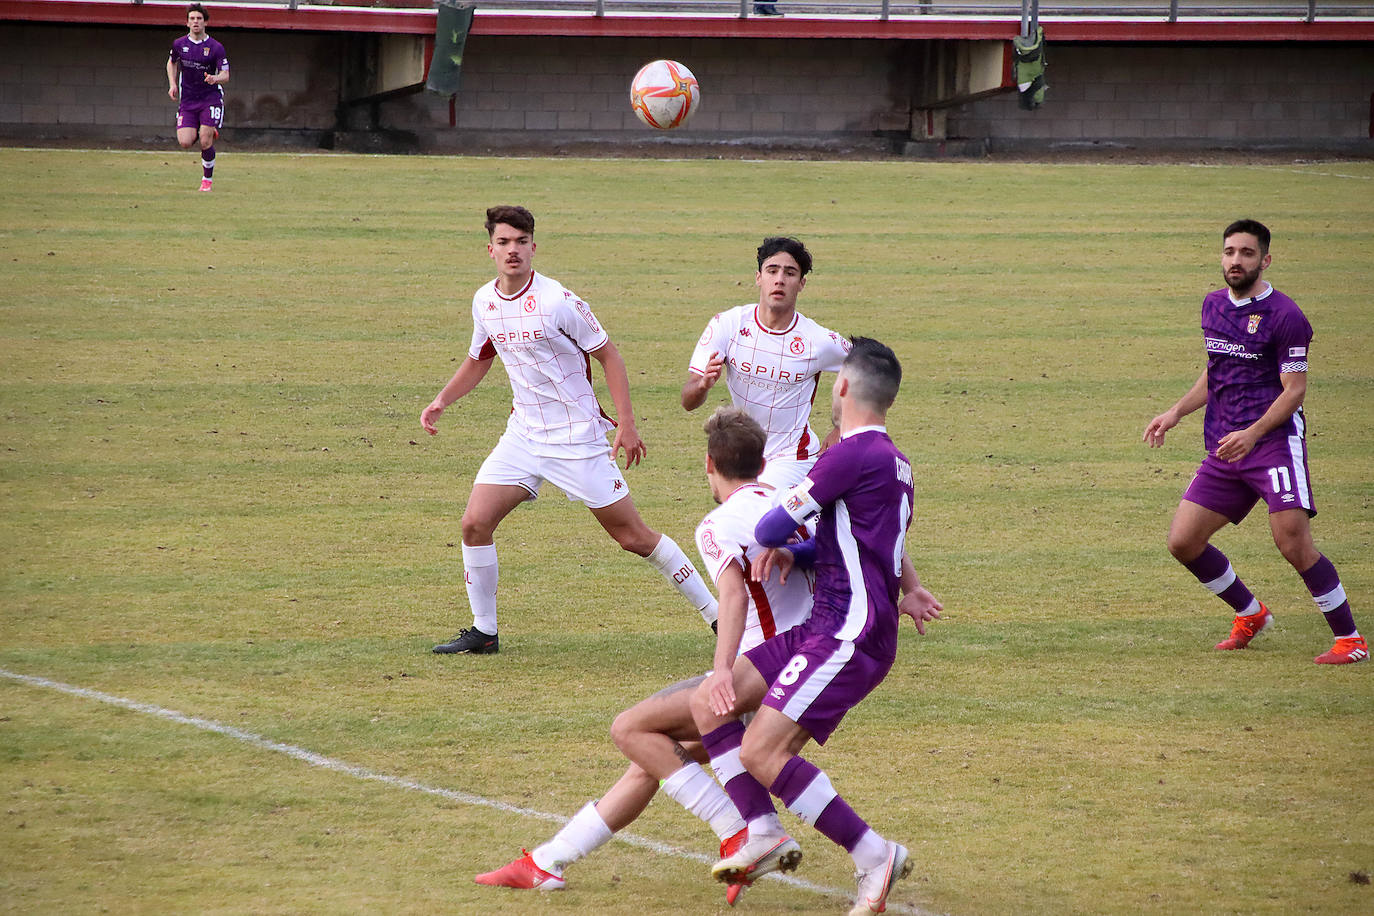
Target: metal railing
<point>1156,10</point>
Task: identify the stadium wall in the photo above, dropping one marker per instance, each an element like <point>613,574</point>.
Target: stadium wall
<point>559,90</point>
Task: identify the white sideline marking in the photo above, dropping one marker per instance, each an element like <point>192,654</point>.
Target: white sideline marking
<point>400,782</point>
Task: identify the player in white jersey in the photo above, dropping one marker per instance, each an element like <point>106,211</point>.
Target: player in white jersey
<point>658,734</point>
<point>547,337</point>
<point>771,356</point>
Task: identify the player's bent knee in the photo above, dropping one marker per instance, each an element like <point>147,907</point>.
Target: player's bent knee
<point>621,730</point>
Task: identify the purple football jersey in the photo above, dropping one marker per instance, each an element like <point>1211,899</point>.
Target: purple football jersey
<point>863,485</point>
<point>197,59</point>
<point>1248,345</point>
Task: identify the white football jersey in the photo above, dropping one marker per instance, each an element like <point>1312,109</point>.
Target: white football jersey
<point>726,536</point>
<point>543,335</point>
<point>773,375</point>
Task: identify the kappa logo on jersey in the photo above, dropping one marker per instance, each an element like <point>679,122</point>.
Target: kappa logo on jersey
<point>710,547</point>
<point>797,346</point>
<point>586,314</point>
<point>1253,326</point>
<point>529,304</point>
<point>619,485</point>
<point>491,306</point>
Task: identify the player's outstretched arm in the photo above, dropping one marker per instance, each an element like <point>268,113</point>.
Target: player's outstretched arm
<point>699,384</point>
<point>618,383</point>
<point>464,380</point>
<point>1195,398</point>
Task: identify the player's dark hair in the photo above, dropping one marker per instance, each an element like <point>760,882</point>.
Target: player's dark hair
<point>1253,227</point>
<point>517,217</point>
<point>873,372</point>
<point>774,244</point>
<point>197,8</point>
<point>735,442</point>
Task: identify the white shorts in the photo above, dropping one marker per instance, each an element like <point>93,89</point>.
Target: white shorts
<point>594,481</point>
<point>785,473</point>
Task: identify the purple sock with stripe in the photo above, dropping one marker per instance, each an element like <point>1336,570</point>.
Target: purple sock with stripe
<point>748,794</point>
<point>806,791</point>
<point>1325,585</point>
<point>1214,571</point>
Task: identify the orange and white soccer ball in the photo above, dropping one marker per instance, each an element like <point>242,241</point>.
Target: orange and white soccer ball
<point>664,94</point>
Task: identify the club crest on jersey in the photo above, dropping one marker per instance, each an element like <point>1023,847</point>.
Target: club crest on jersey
<point>1253,326</point>
<point>205,52</point>
<point>529,304</point>
<point>797,346</point>
<point>709,546</point>
<point>705,337</point>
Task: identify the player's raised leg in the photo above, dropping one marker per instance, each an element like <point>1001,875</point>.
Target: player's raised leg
<point>1292,530</point>
<point>1190,543</point>
<point>487,506</point>
<point>623,523</point>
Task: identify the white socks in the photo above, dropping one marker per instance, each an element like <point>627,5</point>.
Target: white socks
<point>669,560</point>
<point>870,852</point>
<point>583,834</point>
<point>694,789</point>
<point>480,572</point>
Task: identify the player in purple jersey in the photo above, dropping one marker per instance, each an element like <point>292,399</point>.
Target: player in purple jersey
<point>1255,433</point>
<point>658,734</point>
<point>803,681</point>
<point>197,70</point>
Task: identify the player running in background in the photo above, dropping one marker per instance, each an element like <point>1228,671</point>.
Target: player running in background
<point>1255,433</point>
<point>547,337</point>
<point>771,356</point>
<point>802,682</point>
<point>197,70</point>
<point>658,734</point>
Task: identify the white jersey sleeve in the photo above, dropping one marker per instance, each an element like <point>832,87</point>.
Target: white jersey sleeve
<point>713,340</point>
<point>480,347</point>
<point>727,536</point>
<point>574,318</point>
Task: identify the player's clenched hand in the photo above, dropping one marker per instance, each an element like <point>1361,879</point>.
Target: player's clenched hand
<point>1155,430</point>
<point>627,438</point>
<point>715,364</point>
<point>720,691</point>
<point>172,93</point>
<point>429,415</point>
<point>779,558</point>
<point>921,606</point>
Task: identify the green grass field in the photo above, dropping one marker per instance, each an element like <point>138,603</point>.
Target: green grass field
<point>218,500</point>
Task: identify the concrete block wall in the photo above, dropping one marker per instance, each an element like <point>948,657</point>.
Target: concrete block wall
<point>1168,92</point>
<point>749,86</point>
<point>525,89</point>
<point>277,79</point>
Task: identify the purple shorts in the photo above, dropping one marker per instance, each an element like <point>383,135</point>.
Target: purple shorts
<point>1276,471</point>
<point>814,679</point>
<point>196,115</point>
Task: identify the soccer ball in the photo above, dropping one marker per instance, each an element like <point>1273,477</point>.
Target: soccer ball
<point>664,94</point>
